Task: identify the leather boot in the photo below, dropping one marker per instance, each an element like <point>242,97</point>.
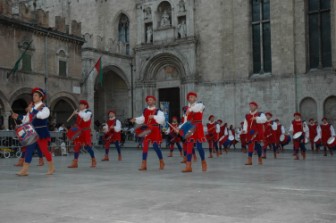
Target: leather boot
<point>184,160</point>
<point>20,162</point>
<point>249,161</point>
<point>24,170</point>
<point>106,158</point>
<point>119,157</point>
<point>188,168</point>
<point>41,162</point>
<point>93,163</point>
<point>210,155</point>
<point>204,166</point>
<point>303,155</point>
<point>74,164</point>
<point>194,157</point>
<point>162,164</point>
<point>260,160</point>
<point>51,168</point>
<point>143,166</point>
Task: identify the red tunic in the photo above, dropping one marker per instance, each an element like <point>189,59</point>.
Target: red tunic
<point>268,133</point>
<point>116,136</point>
<point>212,134</point>
<point>277,133</point>
<point>312,132</point>
<point>85,126</point>
<point>196,119</point>
<point>297,126</point>
<point>258,128</point>
<point>325,133</point>
<point>155,135</point>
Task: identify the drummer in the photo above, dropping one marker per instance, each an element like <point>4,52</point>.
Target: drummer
<point>297,128</point>
<point>83,122</point>
<point>254,128</point>
<point>152,117</point>
<point>213,130</point>
<point>113,135</point>
<point>312,134</point>
<point>269,136</point>
<point>37,114</point>
<point>174,138</point>
<point>194,114</point>
<point>184,142</point>
<point>326,132</point>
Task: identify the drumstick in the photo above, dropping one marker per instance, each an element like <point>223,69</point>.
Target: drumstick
<point>71,116</point>
<point>175,129</point>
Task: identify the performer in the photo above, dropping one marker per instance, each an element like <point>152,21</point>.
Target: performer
<point>277,132</point>
<point>297,126</point>
<point>225,142</point>
<point>213,130</point>
<point>184,145</point>
<point>174,138</point>
<point>326,131</point>
<point>232,132</point>
<point>194,115</point>
<point>152,117</point>
<point>269,137</point>
<point>220,134</point>
<point>83,122</point>
<point>113,135</point>
<point>312,134</point>
<point>242,138</point>
<point>37,114</point>
<point>253,127</point>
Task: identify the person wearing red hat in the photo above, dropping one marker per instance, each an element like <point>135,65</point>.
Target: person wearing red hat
<point>269,137</point>
<point>213,130</point>
<point>298,127</point>
<point>173,137</point>
<point>113,135</point>
<point>152,117</point>
<point>312,134</point>
<point>326,131</point>
<point>254,130</point>
<point>194,115</point>
<point>277,132</point>
<point>83,122</point>
<point>37,114</point>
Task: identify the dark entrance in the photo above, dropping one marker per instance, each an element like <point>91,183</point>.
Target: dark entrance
<point>171,95</point>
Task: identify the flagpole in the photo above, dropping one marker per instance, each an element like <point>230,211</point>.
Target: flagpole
<point>88,73</point>
<point>15,68</point>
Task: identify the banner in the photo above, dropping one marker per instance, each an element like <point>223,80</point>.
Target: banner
<point>164,106</point>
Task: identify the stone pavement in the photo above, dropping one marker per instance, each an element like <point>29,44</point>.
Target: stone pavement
<point>282,190</point>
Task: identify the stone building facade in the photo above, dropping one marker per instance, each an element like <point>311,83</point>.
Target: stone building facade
<point>280,53</point>
<point>52,60</point>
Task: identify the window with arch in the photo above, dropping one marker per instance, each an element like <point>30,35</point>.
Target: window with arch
<point>62,63</point>
<point>319,25</point>
<point>26,65</point>
<point>123,33</point>
<point>165,14</point>
<point>308,108</point>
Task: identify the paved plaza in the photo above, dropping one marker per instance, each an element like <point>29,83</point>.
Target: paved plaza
<point>281,190</point>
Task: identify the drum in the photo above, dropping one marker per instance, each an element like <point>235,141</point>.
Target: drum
<point>26,134</point>
<point>231,138</point>
<point>332,142</point>
<point>297,136</point>
<point>317,140</point>
<point>187,130</point>
<point>142,131</point>
<point>285,139</point>
<point>73,133</point>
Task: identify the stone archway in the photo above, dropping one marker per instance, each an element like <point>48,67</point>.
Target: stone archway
<point>308,108</point>
<point>113,93</point>
<point>62,110</point>
<point>330,109</point>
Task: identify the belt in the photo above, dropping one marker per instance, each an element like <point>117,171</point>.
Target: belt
<point>85,129</point>
<point>154,125</point>
<point>39,127</point>
<point>196,122</point>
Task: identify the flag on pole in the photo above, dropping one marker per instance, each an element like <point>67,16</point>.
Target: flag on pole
<point>99,69</point>
<point>16,65</point>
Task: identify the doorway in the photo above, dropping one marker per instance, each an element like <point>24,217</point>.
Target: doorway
<point>171,95</point>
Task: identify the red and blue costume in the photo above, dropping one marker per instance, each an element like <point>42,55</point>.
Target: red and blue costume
<point>326,131</point>
<point>174,138</point>
<point>213,130</point>
<point>296,127</point>
<point>312,134</point>
<point>113,135</point>
<point>269,136</point>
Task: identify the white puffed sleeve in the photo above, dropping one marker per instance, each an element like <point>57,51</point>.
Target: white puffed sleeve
<point>197,107</point>
<point>85,115</point>
<point>43,114</point>
<point>140,120</point>
<point>261,119</point>
<point>160,118</point>
<point>117,127</point>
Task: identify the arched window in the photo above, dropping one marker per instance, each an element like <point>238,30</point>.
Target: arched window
<point>330,109</point>
<point>308,108</point>
<point>62,63</point>
<point>165,14</point>
<point>123,33</point>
